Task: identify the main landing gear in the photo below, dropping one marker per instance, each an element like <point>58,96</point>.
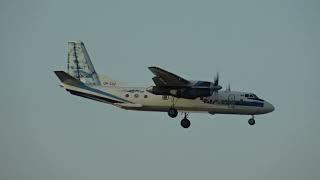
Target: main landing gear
<point>251,121</point>
<point>172,112</point>
<point>185,123</point>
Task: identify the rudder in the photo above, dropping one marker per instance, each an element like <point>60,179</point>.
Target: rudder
<point>79,64</point>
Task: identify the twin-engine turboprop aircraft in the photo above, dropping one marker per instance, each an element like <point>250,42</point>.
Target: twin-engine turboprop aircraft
<point>171,93</point>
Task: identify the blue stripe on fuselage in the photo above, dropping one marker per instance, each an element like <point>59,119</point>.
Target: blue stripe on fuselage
<point>249,103</point>
<point>238,103</point>
<point>103,93</point>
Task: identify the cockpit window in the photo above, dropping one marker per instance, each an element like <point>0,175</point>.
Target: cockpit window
<point>251,95</point>
<point>254,96</point>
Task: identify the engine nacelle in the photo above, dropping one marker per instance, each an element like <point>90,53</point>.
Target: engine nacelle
<point>192,93</point>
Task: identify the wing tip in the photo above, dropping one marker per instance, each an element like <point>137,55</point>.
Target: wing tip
<point>152,67</point>
<point>76,41</point>
<point>156,68</point>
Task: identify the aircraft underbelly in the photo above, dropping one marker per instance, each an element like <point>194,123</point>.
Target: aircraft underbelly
<point>213,109</point>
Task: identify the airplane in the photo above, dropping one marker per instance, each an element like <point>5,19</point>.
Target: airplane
<point>170,92</point>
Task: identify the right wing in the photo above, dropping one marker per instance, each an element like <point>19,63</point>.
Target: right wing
<point>164,78</point>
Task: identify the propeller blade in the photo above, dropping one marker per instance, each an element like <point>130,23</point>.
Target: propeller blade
<point>216,80</point>
<point>228,87</point>
<point>215,86</point>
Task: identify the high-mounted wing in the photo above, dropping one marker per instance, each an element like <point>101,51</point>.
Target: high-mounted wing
<point>170,84</point>
<point>164,78</point>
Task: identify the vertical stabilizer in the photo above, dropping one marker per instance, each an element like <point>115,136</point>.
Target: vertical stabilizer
<point>80,65</point>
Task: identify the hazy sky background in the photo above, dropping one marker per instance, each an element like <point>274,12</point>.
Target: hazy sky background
<point>271,48</point>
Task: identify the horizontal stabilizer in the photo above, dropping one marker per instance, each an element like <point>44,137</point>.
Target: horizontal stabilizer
<point>65,78</point>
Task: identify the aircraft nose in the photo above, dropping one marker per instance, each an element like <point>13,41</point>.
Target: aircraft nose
<point>269,107</point>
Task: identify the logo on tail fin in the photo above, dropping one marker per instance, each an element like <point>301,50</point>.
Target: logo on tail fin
<point>80,65</point>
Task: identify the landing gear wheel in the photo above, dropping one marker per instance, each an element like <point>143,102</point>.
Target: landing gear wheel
<point>172,112</point>
<point>185,123</point>
<point>251,121</point>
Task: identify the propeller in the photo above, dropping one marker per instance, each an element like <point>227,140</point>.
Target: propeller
<point>228,88</point>
<point>216,87</point>
<point>216,80</point>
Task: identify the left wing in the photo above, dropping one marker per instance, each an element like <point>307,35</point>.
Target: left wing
<point>164,78</point>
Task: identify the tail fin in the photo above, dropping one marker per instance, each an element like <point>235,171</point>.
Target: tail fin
<point>79,64</point>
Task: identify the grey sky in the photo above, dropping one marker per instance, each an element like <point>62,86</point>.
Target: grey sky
<point>270,48</point>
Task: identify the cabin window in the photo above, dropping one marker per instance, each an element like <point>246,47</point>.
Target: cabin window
<point>145,96</point>
<point>127,95</point>
<point>136,95</point>
<point>165,97</point>
<point>246,95</point>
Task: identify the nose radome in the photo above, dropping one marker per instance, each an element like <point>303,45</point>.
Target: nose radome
<point>269,107</point>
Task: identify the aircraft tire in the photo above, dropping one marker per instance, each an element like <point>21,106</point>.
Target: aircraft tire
<point>251,121</point>
<point>172,112</point>
<point>185,123</point>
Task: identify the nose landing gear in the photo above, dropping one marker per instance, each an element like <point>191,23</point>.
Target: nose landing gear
<point>251,121</point>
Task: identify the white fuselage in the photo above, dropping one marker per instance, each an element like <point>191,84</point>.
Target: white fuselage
<point>137,98</point>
